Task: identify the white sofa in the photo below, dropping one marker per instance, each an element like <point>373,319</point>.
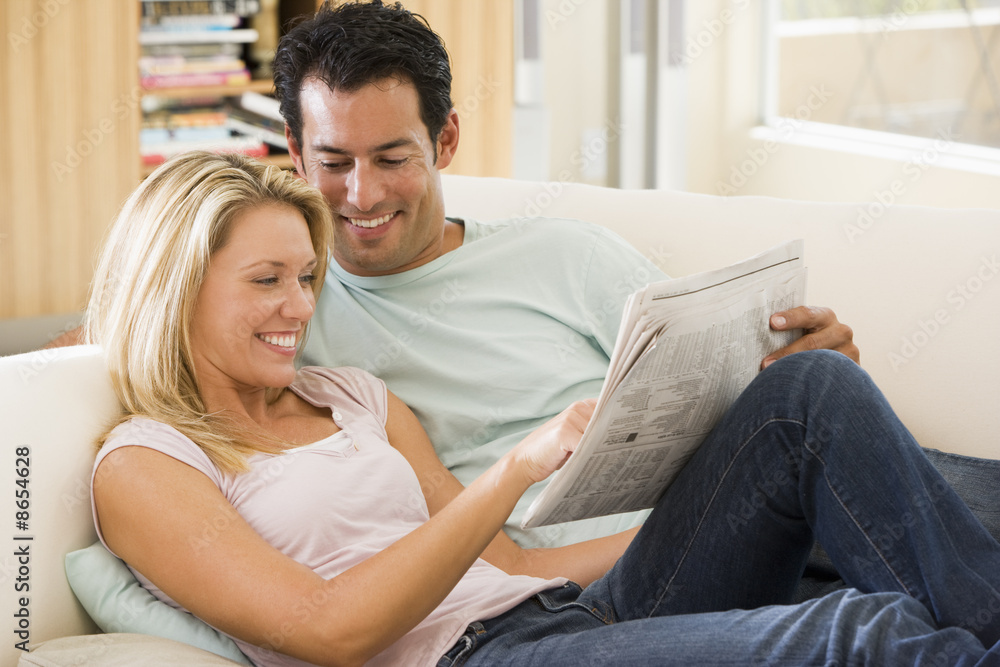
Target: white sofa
<point>915,283</point>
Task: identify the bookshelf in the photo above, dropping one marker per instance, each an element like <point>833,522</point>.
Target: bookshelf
<point>70,117</point>
<point>262,86</point>
<point>197,61</point>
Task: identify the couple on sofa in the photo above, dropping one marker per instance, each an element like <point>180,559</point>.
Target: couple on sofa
<point>346,538</point>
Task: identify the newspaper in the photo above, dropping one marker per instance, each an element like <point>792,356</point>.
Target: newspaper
<point>686,349</point>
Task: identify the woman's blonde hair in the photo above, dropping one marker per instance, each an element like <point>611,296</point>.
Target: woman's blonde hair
<point>149,274</point>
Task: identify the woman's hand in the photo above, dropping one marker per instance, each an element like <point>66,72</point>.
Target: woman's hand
<point>546,449</point>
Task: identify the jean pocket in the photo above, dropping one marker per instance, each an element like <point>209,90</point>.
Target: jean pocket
<point>566,597</point>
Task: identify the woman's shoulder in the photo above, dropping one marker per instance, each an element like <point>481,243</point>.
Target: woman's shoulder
<point>334,386</point>
<point>138,431</point>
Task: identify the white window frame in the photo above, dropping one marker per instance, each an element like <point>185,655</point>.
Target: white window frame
<point>940,151</point>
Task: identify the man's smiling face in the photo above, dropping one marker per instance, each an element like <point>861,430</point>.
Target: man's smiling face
<point>370,154</point>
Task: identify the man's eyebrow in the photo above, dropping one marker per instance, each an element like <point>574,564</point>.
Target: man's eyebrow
<point>387,146</point>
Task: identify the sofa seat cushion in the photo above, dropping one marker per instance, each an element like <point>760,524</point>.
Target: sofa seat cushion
<point>119,650</point>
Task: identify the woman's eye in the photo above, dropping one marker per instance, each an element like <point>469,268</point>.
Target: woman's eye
<point>266,281</point>
<point>307,279</point>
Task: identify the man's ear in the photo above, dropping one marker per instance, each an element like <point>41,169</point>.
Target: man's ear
<point>447,141</point>
<point>295,151</point>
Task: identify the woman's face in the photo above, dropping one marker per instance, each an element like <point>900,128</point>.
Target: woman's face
<point>251,311</point>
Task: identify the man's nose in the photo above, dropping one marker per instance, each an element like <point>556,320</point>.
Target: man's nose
<point>365,187</point>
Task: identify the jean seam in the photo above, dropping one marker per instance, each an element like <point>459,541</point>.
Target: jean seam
<point>711,503</point>
<point>597,608</point>
<point>882,557</point>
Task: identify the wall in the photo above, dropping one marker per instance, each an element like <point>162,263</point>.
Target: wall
<point>68,145</point>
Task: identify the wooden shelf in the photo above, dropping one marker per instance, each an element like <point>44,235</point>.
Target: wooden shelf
<point>257,86</point>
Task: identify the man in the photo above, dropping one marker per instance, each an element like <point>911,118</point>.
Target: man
<point>468,323</point>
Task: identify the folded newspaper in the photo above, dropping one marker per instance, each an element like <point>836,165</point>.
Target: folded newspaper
<point>686,349</point>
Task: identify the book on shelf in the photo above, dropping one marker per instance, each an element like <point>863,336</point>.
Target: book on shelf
<point>194,79</point>
<point>262,105</point>
<point>171,130</point>
<point>192,22</point>
<point>686,349</point>
<point>266,129</point>
<point>153,154</point>
<point>175,64</point>
<point>236,36</point>
<point>218,50</point>
<point>151,9</point>
<point>185,116</point>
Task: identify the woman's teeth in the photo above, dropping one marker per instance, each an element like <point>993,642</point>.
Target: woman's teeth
<point>374,222</point>
<point>287,340</point>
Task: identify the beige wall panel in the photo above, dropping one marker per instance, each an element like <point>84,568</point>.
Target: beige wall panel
<point>70,144</point>
<point>479,36</point>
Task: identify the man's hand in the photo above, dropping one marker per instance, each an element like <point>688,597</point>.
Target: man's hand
<point>822,332</point>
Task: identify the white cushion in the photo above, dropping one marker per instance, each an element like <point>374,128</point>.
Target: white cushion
<point>54,403</point>
<point>119,650</point>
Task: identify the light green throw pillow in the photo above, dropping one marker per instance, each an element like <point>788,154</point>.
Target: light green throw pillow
<point>118,603</point>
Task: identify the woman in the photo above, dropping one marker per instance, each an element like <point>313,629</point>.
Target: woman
<point>306,513</point>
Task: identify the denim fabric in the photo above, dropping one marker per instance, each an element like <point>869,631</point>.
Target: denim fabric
<point>977,482</point>
<point>810,451</point>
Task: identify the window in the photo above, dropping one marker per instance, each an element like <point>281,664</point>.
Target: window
<point>917,68</point>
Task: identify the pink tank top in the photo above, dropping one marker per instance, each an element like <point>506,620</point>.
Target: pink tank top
<point>365,492</point>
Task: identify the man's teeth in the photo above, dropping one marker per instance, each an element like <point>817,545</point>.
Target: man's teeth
<point>281,341</point>
<point>374,222</point>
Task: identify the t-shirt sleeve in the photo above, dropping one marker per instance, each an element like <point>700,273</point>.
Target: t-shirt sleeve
<point>141,432</point>
<point>614,270</point>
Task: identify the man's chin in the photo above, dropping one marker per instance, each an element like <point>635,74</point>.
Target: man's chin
<point>368,263</point>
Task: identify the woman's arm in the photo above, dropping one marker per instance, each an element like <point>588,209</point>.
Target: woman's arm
<point>171,523</point>
<point>583,562</point>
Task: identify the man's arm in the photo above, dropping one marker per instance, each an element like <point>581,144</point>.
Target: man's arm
<point>822,332</point>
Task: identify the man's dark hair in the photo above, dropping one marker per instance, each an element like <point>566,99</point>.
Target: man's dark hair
<point>354,44</point>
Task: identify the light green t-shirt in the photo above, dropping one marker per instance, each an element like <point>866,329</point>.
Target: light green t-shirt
<point>487,342</point>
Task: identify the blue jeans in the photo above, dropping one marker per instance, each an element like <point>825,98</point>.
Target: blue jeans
<point>811,450</point>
